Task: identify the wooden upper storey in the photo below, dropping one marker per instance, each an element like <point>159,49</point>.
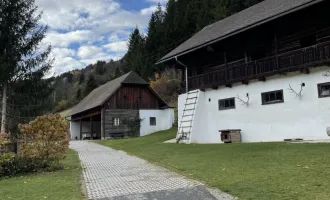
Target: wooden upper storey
<point>290,43</point>
<point>134,97</point>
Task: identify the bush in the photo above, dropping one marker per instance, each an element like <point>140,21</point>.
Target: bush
<point>12,165</point>
<point>4,138</point>
<point>45,138</point>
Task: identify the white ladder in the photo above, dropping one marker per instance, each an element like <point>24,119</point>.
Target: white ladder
<point>187,118</point>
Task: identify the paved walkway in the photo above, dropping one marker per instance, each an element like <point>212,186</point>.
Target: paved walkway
<point>113,175</point>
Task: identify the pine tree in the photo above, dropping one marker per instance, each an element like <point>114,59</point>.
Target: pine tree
<point>81,78</point>
<point>135,55</point>
<point>117,72</point>
<point>20,39</point>
<point>90,85</point>
<point>78,94</point>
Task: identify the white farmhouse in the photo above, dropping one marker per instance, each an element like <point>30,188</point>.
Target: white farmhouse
<point>260,74</point>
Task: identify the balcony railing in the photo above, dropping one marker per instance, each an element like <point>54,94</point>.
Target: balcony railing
<point>241,71</point>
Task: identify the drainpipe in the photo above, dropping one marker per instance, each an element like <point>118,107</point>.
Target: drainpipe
<point>186,72</point>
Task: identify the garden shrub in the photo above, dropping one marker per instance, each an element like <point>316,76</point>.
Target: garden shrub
<point>15,165</point>
<point>45,138</point>
<point>42,144</point>
<point>4,138</point>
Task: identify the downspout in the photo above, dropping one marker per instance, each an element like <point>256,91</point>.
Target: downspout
<point>186,72</point>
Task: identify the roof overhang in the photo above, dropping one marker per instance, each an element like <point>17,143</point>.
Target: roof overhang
<point>165,59</point>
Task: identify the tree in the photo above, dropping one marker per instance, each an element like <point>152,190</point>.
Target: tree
<point>90,85</point>
<point>81,78</point>
<point>135,55</point>
<point>78,94</point>
<point>20,39</point>
<point>117,72</point>
<point>100,68</point>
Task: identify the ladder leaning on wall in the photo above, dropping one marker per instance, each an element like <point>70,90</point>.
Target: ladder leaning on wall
<point>187,118</point>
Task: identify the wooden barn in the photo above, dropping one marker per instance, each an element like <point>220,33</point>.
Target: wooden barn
<point>107,110</point>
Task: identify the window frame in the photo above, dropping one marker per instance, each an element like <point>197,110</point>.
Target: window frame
<point>271,102</point>
<point>319,89</point>
<point>150,120</point>
<point>227,99</point>
<point>116,121</point>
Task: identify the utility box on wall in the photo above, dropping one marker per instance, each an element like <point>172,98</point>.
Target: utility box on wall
<point>231,135</point>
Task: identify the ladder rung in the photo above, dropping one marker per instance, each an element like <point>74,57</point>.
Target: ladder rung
<point>186,126</point>
<point>193,92</point>
<point>187,115</point>
<point>189,109</point>
<point>192,98</point>
<point>189,104</point>
<point>187,121</point>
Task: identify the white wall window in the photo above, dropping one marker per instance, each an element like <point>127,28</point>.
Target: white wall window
<point>225,104</point>
<point>116,121</point>
<point>152,121</point>
<point>324,89</point>
<point>272,97</point>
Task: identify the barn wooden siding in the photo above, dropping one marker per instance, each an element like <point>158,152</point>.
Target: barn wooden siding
<point>133,97</point>
<point>123,114</point>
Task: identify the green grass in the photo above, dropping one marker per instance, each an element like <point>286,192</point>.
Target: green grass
<point>61,185</point>
<point>249,171</point>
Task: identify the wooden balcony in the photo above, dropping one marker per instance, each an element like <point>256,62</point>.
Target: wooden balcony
<point>239,71</point>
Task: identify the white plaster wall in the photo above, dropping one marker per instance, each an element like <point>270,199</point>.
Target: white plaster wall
<point>164,120</point>
<point>306,118</point>
<point>75,128</point>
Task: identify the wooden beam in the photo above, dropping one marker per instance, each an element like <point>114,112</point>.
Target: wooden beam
<point>262,78</point>
<point>276,53</point>
<point>225,59</point>
<point>245,82</point>
<point>102,123</point>
<point>91,126</point>
<point>229,85</point>
<point>304,70</point>
<point>215,87</point>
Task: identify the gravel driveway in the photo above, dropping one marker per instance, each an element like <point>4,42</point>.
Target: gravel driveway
<point>114,175</point>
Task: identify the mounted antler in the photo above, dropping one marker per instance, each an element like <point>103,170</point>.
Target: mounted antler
<point>298,94</point>
<point>242,101</point>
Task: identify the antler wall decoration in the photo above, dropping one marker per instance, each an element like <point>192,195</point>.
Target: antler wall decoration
<point>246,102</point>
<point>298,94</point>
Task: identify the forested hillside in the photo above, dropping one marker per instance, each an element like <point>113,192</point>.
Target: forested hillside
<point>166,30</point>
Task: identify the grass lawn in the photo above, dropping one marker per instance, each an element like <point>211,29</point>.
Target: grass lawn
<point>61,185</point>
<point>249,171</point>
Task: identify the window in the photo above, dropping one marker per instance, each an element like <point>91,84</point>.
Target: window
<point>115,121</point>
<point>324,89</point>
<point>152,121</point>
<point>272,97</point>
<point>225,104</point>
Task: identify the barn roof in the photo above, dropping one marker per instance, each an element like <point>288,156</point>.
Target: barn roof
<point>241,21</point>
<point>99,95</point>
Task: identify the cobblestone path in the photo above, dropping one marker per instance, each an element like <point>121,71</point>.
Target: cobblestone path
<point>114,175</point>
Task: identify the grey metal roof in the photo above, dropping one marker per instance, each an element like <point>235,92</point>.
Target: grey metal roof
<point>99,95</point>
<point>250,17</point>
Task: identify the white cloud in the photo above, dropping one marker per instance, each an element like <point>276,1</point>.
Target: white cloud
<point>91,54</point>
<point>65,39</point>
<point>120,46</point>
<point>89,51</point>
<point>148,11</point>
<point>63,52</point>
<point>158,1</point>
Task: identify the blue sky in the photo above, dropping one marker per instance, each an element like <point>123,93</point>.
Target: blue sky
<point>84,31</point>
